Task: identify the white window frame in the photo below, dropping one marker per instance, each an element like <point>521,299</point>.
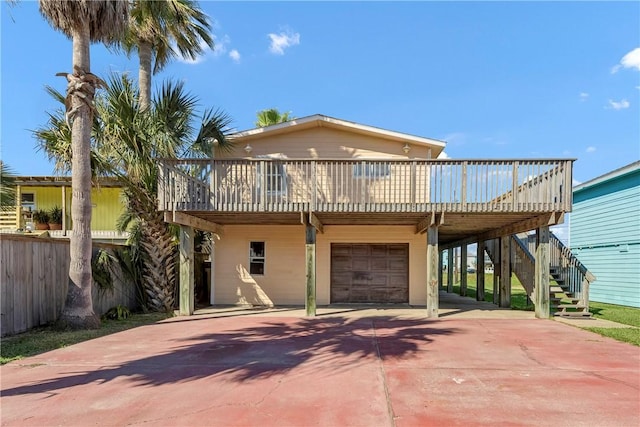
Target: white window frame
<point>376,170</point>
<point>25,206</point>
<point>256,259</point>
<point>276,173</point>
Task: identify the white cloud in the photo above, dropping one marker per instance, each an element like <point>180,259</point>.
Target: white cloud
<point>575,182</point>
<point>584,96</point>
<point>618,105</point>
<point>235,55</point>
<point>630,60</point>
<point>455,138</point>
<point>443,155</point>
<point>279,42</point>
<point>205,51</point>
<point>591,149</point>
<point>220,44</point>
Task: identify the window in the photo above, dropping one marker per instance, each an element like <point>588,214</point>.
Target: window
<point>371,170</point>
<point>28,202</point>
<point>256,258</point>
<point>274,176</point>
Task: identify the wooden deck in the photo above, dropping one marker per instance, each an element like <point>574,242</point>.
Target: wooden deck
<point>468,198</point>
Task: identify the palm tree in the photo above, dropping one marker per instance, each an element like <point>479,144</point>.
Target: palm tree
<point>161,30</point>
<point>84,21</point>
<point>272,116</point>
<point>126,142</point>
<point>7,185</point>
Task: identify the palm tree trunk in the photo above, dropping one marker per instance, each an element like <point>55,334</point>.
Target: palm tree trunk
<point>78,308</point>
<point>144,74</point>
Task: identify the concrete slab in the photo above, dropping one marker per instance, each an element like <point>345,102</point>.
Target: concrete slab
<point>334,370</point>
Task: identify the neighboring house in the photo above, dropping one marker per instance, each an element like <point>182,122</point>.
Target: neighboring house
<point>45,192</point>
<point>605,234</point>
<point>320,210</point>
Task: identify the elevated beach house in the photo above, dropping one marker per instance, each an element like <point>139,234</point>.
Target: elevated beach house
<point>319,211</point>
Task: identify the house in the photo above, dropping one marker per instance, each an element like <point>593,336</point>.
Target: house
<point>320,210</point>
<point>605,234</point>
<point>45,192</point>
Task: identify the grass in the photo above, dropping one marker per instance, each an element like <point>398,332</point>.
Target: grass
<point>43,339</point>
<point>616,313</point>
<point>519,300</point>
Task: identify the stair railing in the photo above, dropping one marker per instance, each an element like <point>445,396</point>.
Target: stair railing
<point>523,265</point>
<point>571,270</point>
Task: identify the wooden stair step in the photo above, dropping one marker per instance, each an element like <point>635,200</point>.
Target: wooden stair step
<point>581,314</point>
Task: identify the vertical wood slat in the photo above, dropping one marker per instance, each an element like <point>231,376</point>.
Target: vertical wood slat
<point>381,185</point>
<point>432,272</point>
<point>34,280</point>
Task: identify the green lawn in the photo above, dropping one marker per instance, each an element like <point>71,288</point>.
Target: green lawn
<point>519,299</point>
<point>40,340</point>
<point>615,313</point>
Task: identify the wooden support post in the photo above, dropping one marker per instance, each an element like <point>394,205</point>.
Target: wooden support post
<point>463,271</point>
<point>450,262</point>
<point>480,271</point>
<point>440,282</point>
<point>541,281</point>
<point>18,223</point>
<point>505,272</point>
<point>496,272</point>
<point>432,272</point>
<point>310,251</point>
<point>64,211</point>
<point>212,274</point>
<point>186,271</point>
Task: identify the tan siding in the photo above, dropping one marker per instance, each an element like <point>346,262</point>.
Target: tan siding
<point>284,279</point>
<point>326,143</point>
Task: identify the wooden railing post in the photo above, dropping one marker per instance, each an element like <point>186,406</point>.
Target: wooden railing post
<point>514,187</point>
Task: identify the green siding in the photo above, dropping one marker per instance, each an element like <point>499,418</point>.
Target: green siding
<point>605,237</point>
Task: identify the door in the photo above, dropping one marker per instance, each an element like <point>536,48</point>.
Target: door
<point>369,272</point>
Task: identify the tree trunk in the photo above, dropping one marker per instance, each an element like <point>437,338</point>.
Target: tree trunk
<point>144,74</point>
<point>77,312</point>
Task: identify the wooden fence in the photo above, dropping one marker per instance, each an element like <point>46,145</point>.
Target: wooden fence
<point>34,274</point>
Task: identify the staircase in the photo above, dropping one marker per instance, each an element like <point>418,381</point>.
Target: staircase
<point>569,289</point>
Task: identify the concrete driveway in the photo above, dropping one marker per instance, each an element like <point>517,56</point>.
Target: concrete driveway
<point>381,368</point>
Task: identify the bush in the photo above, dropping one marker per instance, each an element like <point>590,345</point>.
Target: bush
<point>55,215</point>
<point>41,216</point>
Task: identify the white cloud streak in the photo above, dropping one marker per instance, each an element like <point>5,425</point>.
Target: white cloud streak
<point>235,55</point>
<point>630,60</point>
<point>584,96</point>
<point>282,41</point>
<point>591,149</point>
<point>618,105</point>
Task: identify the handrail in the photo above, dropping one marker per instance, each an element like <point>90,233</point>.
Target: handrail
<point>575,274</point>
<point>523,265</point>
<point>362,185</point>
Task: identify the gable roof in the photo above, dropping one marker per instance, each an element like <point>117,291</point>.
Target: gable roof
<point>319,120</point>
<point>632,167</point>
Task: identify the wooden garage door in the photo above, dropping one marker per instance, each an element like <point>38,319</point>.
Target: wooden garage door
<point>369,273</point>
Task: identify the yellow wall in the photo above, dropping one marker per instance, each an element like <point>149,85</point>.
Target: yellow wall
<point>107,207</point>
<point>285,277</point>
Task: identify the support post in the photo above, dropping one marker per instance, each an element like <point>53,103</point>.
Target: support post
<point>64,211</point>
<point>310,252</point>
<point>450,262</point>
<point>480,271</point>
<point>212,270</point>
<point>505,272</point>
<point>186,271</point>
<point>19,207</point>
<point>541,281</point>
<point>440,283</point>
<point>463,271</point>
<point>432,272</point>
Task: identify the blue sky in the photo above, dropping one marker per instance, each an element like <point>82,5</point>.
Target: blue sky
<point>494,80</point>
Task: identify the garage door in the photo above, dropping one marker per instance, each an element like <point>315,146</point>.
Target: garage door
<point>369,273</point>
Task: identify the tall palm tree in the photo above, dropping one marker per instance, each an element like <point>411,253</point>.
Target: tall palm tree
<point>272,116</point>
<point>7,185</point>
<point>84,21</point>
<point>126,143</point>
<point>162,30</point>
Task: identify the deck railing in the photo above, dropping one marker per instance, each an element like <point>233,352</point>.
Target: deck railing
<point>288,185</point>
<point>9,217</point>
